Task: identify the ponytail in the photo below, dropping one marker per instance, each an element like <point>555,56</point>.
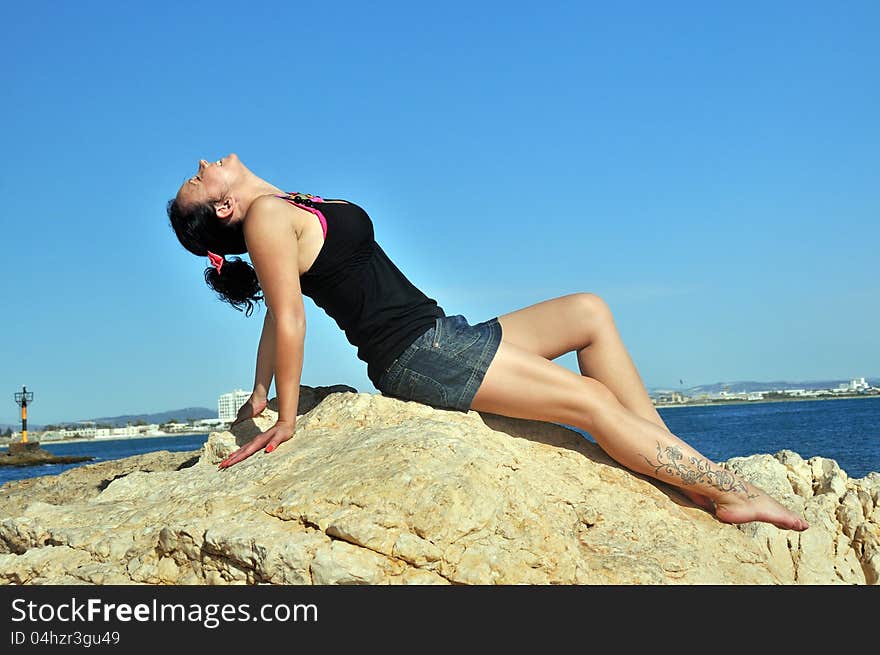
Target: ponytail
<point>198,230</point>
<point>236,284</point>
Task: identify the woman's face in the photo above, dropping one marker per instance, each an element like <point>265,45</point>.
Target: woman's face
<point>212,181</point>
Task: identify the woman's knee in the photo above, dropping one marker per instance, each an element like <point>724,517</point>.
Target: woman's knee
<point>593,306</point>
<point>594,400</point>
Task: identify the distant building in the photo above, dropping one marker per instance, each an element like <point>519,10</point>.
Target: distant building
<point>115,433</point>
<point>668,398</point>
<point>87,430</point>
<point>229,403</point>
<point>855,384</point>
<point>174,426</point>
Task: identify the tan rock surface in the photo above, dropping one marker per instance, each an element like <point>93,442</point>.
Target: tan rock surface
<point>373,490</point>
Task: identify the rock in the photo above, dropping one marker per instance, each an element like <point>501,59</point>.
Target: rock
<point>30,453</point>
<point>310,397</point>
<point>374,490</point>
<point>828,478</point>
<point>87,481</point>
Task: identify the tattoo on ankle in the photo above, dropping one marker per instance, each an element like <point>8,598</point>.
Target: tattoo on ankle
<point>671,462</point>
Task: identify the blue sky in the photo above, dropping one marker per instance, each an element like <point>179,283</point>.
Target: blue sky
<point>710,171</point>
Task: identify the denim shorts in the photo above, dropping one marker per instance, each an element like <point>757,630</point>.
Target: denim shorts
<point>445,366</point>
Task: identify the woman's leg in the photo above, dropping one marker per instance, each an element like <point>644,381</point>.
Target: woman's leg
<point>583,322</point>
<point>523,384</point>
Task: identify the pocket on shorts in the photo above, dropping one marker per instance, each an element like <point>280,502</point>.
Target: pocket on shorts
<point>414,386</point>
<point>456,336</point>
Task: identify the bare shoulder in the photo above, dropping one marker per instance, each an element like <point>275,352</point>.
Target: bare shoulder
<point>267,206</point>
<point>268,216</point>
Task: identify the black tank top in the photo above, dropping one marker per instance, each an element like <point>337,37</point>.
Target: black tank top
<point>357,285</point>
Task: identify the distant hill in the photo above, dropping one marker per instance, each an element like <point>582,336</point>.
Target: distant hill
<point>160,417</point>
<point>183,414</point>
<point>747,386</point>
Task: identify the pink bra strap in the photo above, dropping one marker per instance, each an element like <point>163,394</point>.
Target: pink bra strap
<point>316,212</point>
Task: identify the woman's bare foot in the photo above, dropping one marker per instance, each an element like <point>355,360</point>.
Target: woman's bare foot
<point>758,506</point>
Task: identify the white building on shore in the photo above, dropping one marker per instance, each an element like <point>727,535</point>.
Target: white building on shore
<point>116,433</point>
<point>229,403</point>
<point>856,384</point>
<point>87,430</point>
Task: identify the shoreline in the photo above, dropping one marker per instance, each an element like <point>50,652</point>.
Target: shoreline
<point>713,403</point>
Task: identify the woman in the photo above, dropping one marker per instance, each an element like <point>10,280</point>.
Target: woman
<point>325,248</point>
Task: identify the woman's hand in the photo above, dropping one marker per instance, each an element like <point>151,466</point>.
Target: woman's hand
<point>252,408</point>
<point>271,438</point>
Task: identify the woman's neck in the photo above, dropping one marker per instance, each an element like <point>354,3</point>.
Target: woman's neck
<point>253,189</point>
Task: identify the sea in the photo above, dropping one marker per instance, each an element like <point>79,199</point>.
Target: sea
<point>101,450</point>
<point>846,430</point>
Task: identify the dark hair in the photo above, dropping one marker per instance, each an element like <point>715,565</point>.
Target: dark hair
<point>199,230</point>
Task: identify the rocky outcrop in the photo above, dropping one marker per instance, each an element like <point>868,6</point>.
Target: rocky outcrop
<point>30,453</point>
<point>84,483</point>
<point>374,490</point>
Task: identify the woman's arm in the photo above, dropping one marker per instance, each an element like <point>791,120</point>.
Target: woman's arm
<point>290,339</point>
<point>265,370</point>
<point>271,241</point>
